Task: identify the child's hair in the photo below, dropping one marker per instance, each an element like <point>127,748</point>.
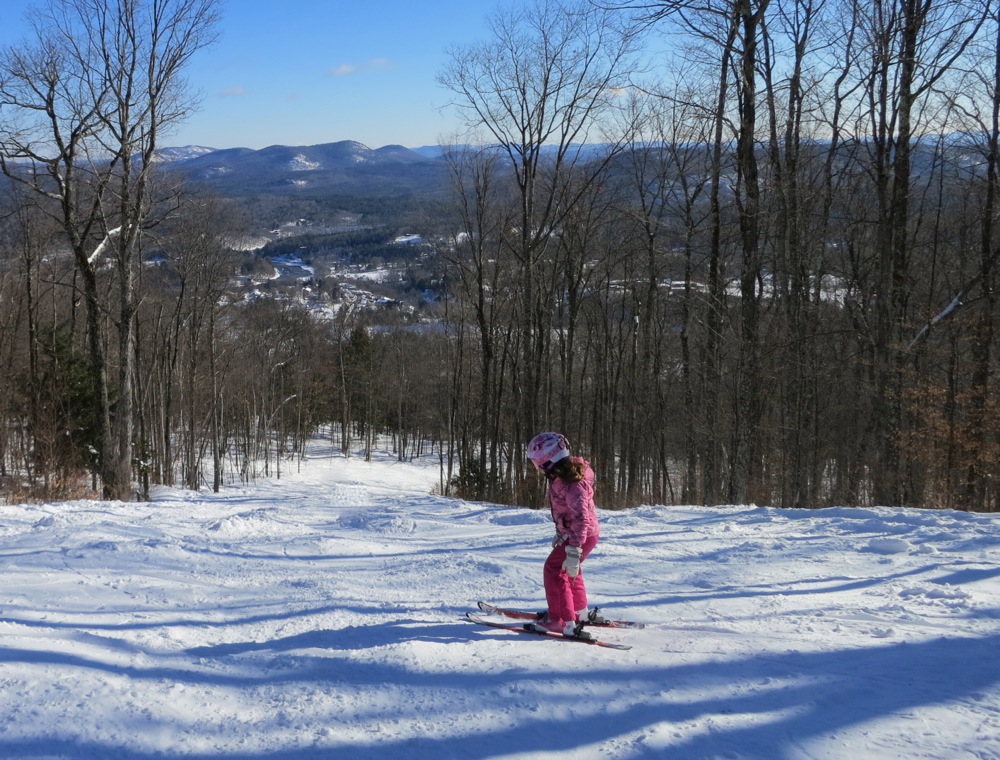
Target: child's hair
<point>569,469</point>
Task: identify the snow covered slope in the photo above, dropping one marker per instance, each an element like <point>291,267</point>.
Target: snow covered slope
<point>320,616</point>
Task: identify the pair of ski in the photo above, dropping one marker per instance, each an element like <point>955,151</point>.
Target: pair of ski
<point>593,620</point>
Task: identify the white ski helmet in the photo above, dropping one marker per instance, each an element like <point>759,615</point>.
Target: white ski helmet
<point>545,449</point>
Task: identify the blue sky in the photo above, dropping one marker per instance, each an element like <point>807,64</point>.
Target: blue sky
<point>301,72</point>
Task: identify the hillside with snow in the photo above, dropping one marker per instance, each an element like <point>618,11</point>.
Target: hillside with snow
<point>344,167</point>
<point>320,615</point>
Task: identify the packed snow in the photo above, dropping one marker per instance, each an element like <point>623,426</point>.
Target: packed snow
<point>321,615</point>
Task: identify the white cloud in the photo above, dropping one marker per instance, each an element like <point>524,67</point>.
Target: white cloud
<point>347,69</point>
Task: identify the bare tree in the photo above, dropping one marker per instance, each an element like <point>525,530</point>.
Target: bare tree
<point>908,48</point>
<point>180,330</point>
<point>540,88</point>
<point>82,110</point>
<point>479,263</point>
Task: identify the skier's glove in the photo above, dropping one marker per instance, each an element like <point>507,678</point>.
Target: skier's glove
<point>572,564</point>
<point>556,540</point>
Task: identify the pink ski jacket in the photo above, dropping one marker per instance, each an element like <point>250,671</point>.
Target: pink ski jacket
<point>573,509</point>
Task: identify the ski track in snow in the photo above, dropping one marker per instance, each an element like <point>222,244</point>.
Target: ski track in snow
<point>320,615</point>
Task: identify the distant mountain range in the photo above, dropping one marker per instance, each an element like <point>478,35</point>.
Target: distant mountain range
<point>347,167</point>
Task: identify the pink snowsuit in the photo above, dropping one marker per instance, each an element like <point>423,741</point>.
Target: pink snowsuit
<point>575,516</point>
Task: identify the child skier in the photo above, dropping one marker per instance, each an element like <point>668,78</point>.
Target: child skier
<point>571,500</point>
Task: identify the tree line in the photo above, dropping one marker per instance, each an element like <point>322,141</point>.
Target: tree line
<point>776,285</point>
<point>736,250</point>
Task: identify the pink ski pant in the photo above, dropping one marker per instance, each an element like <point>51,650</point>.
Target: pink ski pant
<point>565,596</point>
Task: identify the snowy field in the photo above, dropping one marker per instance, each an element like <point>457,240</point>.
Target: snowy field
<point>321,616</point>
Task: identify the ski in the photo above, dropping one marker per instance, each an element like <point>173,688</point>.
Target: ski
<point>519,628</point>
<point>594,619</point>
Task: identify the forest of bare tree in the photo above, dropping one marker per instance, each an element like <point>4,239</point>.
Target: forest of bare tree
<point>738,251</point>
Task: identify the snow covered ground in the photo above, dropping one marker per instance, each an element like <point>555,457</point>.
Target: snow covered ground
<point>320,616</point>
